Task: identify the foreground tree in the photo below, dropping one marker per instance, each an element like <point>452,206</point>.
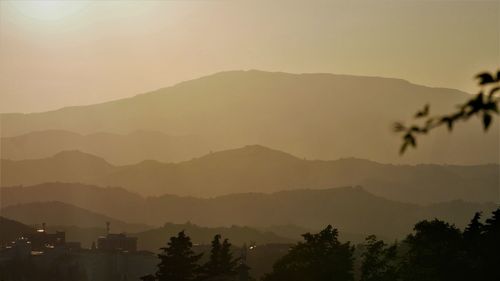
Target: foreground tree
<point>379,261</point>
<point>490,248</point>
<point>320,257</point>
<point>483,105</point>
<point>221,266</point>
<point>473,240</point>
<point>435,253</point>
<point>242,269</point>
<point>178,262</point>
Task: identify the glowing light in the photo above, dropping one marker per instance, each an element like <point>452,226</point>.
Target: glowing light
<point>48,10</point>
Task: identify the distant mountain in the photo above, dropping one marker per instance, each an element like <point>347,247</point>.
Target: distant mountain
<point>67,166</point>
<point>58,213</point>
<point>96,199</point>
<point>10,230</point>
<point>260,169</point>
<point>318,116</point>
<point>115,148</point>
<point>352,210</point>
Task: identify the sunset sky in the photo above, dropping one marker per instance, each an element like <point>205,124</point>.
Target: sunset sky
<point>57,54</point>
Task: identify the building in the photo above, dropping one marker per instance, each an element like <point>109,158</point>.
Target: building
<point>41,239</point>
<point>116,242</point>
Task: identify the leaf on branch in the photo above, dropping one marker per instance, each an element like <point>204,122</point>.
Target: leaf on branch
<point>403,148</point>
<point>415,129</point>
<point>449,122</point>
<point>424,112</point>
<point>492,105</point>
<point>399,127</point>
<point>485,78</point>
<point>493,91</point>
<point>408,139</point>
<point>429,122</point>
<point>486,121</point>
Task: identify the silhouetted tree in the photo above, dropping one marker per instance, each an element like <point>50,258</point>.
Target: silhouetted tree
<point>178,262</point>
<point>379,261</point>
<point>491,247</point>
<point>243,271</point>
<point>472,239</point>
<point>221,266</point>
<point>320,257</point>
<point>435,253</point>
<point>483,105</point>
<point>242,268</point>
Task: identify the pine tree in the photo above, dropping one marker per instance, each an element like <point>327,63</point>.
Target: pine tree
<point>178,262</point>
<point>472,240</point>
<point>473,231</point>
<point>491,247</point>
<point>242,268</point>
<point>221,266</point>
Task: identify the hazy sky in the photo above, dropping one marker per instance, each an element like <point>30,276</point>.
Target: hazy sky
<point>56,54</point>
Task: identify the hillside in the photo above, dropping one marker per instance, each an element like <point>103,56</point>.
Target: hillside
<point>352,210</point>
<point>317,116</point>
<point>11,230</point>
<point>260,169</point>
<point>57,213</point>
<point>115,148</point>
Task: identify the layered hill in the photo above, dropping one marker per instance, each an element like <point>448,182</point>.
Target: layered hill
<point>58,213</point>
<point>260,169</point>
<point>84,231</point>
<point>352,210</point>
<point>115,148</point>
<point>318,116</point>
<point>10,230</point>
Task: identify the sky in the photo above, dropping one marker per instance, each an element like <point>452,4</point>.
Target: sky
<point>55,54</point>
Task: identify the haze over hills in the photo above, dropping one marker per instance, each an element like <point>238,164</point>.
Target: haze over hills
<point>57,213</point>
<point>115,148</point>
<point>151,239</point>
<point>352,210</point>
<point>318,116</point>
<point>260,169</point>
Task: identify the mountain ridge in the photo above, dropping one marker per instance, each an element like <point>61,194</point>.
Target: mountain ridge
<point>318,116</point>
<point>351,209</point>
<point>259,169</point>
<point>60,213</point>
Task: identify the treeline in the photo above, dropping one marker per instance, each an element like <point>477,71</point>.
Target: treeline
<point>435,251</point>
<point>178,261</point>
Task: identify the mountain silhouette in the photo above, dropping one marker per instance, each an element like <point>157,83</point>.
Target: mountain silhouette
<point>115,148</point>
<point>10,230</point>
<point>317,116</point>
<point>351,209</point>
<point>58,213</point>
<point>259,169</point>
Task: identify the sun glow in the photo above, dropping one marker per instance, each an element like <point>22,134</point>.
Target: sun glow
<point>48,10</point>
